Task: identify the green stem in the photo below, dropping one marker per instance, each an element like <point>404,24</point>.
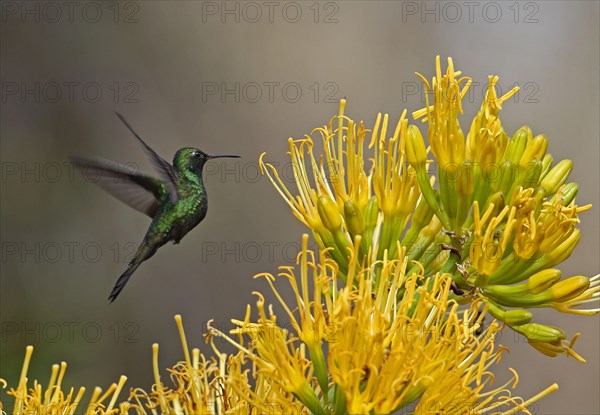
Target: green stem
<point>309,398</point>
<point>339,401</point>
<point>429,195</point>
<point>320,365</point>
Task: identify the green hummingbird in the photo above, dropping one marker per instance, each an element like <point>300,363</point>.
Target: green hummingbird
<point>176,201</point>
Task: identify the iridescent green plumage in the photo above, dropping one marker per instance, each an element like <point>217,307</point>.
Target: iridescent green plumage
<point>176,203</point>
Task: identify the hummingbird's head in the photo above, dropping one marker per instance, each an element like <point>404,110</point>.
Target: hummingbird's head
<point>193,159</point>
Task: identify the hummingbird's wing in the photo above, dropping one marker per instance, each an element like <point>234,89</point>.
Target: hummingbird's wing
<point>165,170</point>
<point>143,193</point>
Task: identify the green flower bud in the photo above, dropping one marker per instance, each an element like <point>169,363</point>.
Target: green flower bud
<point>432,230</point>
<point>371,213</point>
<point>569,288</point>
<point>543,146</point>
<point>510,317</point>
<point>327,240</point>
<point>531,174</point>
<point>498,200</point>
<point>422,215</point>
<point>355,221</point>
<point>543,280</point>
<point>507,176</point>
<point>540,333</point>
<point>538,194</point>
<point>517,145</point>
<point>546,165</point>
<point>561,252</point>
<point>568,193</point>
<point>416,152</point>
<point>557,176</point>
<point>535,150</point>
<point>328,212</point>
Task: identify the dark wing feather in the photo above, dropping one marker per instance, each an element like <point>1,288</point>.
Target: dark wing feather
<point>143,193</point>
<point>165,170</point>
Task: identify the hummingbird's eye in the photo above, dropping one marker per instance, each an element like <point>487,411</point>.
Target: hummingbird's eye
<point>197,154</point>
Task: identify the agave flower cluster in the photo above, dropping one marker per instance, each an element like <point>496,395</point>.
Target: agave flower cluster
<point>34,399</point>
<point>413,253</point>
<point>497,221</point>
<point>349,350</point>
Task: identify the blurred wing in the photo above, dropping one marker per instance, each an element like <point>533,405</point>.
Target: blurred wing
<point>140,192</point>
<point>165,170</point>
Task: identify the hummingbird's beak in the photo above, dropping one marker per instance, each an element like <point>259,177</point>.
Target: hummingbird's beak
<point>216,156</point>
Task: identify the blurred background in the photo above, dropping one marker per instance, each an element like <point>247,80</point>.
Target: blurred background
<point>242,77</point>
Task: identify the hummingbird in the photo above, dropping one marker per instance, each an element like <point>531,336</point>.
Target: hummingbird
<point>176,201</point>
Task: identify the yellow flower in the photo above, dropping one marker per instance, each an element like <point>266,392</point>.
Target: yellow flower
<point>275,353</point>
<point>487,248</point>
<point>342,200</point>
<point>53,399</point>
<point>217,385</point>
<point>383,351</point>
<point>501,212</point>
<point>347,176</point>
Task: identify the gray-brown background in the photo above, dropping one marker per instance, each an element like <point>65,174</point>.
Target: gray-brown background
<point>168,66</point>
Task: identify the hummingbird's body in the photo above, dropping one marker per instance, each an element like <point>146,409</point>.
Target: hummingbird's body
<point>177,203</point>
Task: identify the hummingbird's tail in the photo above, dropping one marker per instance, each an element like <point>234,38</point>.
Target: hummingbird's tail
<point>143,253</point>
